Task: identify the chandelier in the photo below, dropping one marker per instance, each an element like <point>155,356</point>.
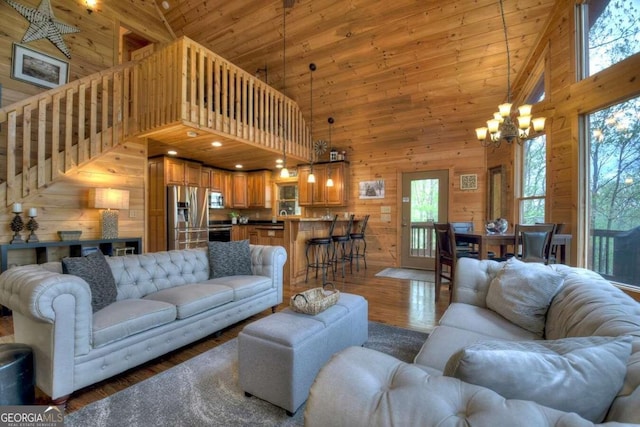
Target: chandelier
<point>503,126</point>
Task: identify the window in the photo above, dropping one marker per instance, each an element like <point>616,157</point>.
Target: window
<point>534,180</point>
<point>614,192</point>
<point>288,199</point>
<point>609,32</point>
<point>533,167</point>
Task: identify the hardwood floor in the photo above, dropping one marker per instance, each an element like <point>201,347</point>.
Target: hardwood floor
<point>405,303</point>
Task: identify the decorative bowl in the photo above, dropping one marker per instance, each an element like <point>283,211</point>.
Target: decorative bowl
<point>69,235</point>
<point>497,226</point>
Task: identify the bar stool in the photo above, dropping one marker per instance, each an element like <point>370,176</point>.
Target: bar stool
<point>320,256</point>
<point>340,247</point>
<point>358,242</point>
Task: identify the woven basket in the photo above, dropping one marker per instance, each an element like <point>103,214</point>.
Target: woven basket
<point>314,300</point>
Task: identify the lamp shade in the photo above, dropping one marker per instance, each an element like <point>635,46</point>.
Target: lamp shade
<point>108,198</point>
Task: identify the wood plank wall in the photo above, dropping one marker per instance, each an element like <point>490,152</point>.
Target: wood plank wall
<point>93,49</point>
<point>63,205</point>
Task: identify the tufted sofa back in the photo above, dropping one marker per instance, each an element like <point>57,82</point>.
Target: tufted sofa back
<point>139,275</point>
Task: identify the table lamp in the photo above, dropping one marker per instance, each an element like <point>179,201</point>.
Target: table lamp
<point>111,201</point>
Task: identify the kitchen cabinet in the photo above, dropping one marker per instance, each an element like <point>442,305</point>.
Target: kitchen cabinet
<point>318,194</point>
<point>259,187</point>
<point>251,189</point>
<point>182,172</point>
<point>213,179</point>
<point>216,180</point>
<point>238,232</point>
<point>239,190</point>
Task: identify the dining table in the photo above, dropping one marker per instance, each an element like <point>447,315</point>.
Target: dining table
<point>485,240</point>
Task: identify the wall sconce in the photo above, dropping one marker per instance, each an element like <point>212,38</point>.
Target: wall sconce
<point>111,200</point>
<point>91,5</point>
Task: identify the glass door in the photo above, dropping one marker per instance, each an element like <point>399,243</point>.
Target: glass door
<point>424,201</point>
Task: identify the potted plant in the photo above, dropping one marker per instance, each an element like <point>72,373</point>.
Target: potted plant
<point>234,217</point>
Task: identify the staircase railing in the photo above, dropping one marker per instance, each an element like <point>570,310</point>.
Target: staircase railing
<point>49,134</point>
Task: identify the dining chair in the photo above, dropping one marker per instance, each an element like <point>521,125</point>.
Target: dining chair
<point>446,256</point>
<point>553,253</point>
<point>535,241</point>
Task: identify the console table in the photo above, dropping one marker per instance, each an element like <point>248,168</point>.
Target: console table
<point>75,248</point>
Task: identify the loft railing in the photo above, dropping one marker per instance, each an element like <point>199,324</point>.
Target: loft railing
<point>49,134</point>
<point>187,83</point>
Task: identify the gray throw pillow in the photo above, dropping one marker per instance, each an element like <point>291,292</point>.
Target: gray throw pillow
<point>581,375</point>
<point>229,259</point>
<point>521,292</point>
<point>95,270</point>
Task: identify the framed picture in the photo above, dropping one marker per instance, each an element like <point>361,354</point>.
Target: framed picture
<point>469,182</point>
<point>38,68</point>
<point>371,189</point>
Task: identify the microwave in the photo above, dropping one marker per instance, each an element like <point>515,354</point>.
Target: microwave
<point>216,200</point>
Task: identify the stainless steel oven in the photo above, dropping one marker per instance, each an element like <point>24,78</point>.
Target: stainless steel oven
<point>220,233</point>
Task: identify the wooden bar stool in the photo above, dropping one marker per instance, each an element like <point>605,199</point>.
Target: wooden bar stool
<point>340,254</point>
<point>318,253</point>
<point>359,243</point>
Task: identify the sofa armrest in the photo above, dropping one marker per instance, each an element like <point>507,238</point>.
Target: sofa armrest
<point>382,390</point>
<point>472,280</point>
<point>41,295</point>
<point>269,261</point>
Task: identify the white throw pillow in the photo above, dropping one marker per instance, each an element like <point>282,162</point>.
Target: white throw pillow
<point>581,375</point>
<point>522,292</point>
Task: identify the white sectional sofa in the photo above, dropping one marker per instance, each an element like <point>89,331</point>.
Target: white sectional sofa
<point>164,301</point>
<point>586,359</point>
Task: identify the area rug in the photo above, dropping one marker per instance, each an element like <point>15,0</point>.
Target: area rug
<point>407,273</point>
<point>204,391</point>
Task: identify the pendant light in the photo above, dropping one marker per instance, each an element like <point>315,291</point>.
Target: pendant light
<point>311,178</point>
<point>284,172</point>
<point>329,180</point>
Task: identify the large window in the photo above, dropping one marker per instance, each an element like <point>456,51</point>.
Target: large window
<point>533,167</point>
<point>534,180</point>
<point>610,32</point>
<point>614,192</point>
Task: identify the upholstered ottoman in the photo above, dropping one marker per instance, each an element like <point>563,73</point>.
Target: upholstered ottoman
<point>280,355</point>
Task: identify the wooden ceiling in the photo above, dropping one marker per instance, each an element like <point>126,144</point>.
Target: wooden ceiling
<point>398,73</point>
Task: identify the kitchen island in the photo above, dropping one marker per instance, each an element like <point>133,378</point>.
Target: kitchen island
<point>296,232</point>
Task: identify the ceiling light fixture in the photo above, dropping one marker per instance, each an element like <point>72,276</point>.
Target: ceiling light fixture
<point>216,144</point>
<point>329,180</point>
<point>502,126</point>
<point>284,172</point>
<point>311,178</point>
<point>91,5</point>
<point>172,152</point>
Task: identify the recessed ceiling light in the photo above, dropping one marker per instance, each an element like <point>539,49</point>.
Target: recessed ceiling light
<point>279,166</point>
<point>238,166</point>
<point>165,4</point>
<point>192,134</point>
<point>216,144</point>
<point>172,152</point>
<point>278,160</point>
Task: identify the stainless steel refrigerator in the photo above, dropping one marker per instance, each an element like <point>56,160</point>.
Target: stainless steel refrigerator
<point>188,217</point>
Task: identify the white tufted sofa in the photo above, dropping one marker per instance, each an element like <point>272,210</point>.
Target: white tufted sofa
<point>165,300</point>
<point>362,387</point>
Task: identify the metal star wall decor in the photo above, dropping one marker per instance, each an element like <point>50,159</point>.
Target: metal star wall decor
<point>44,25</point>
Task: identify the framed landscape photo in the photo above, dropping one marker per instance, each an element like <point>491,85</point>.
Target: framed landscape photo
<point>38,68</point>
<point>371,189</point>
